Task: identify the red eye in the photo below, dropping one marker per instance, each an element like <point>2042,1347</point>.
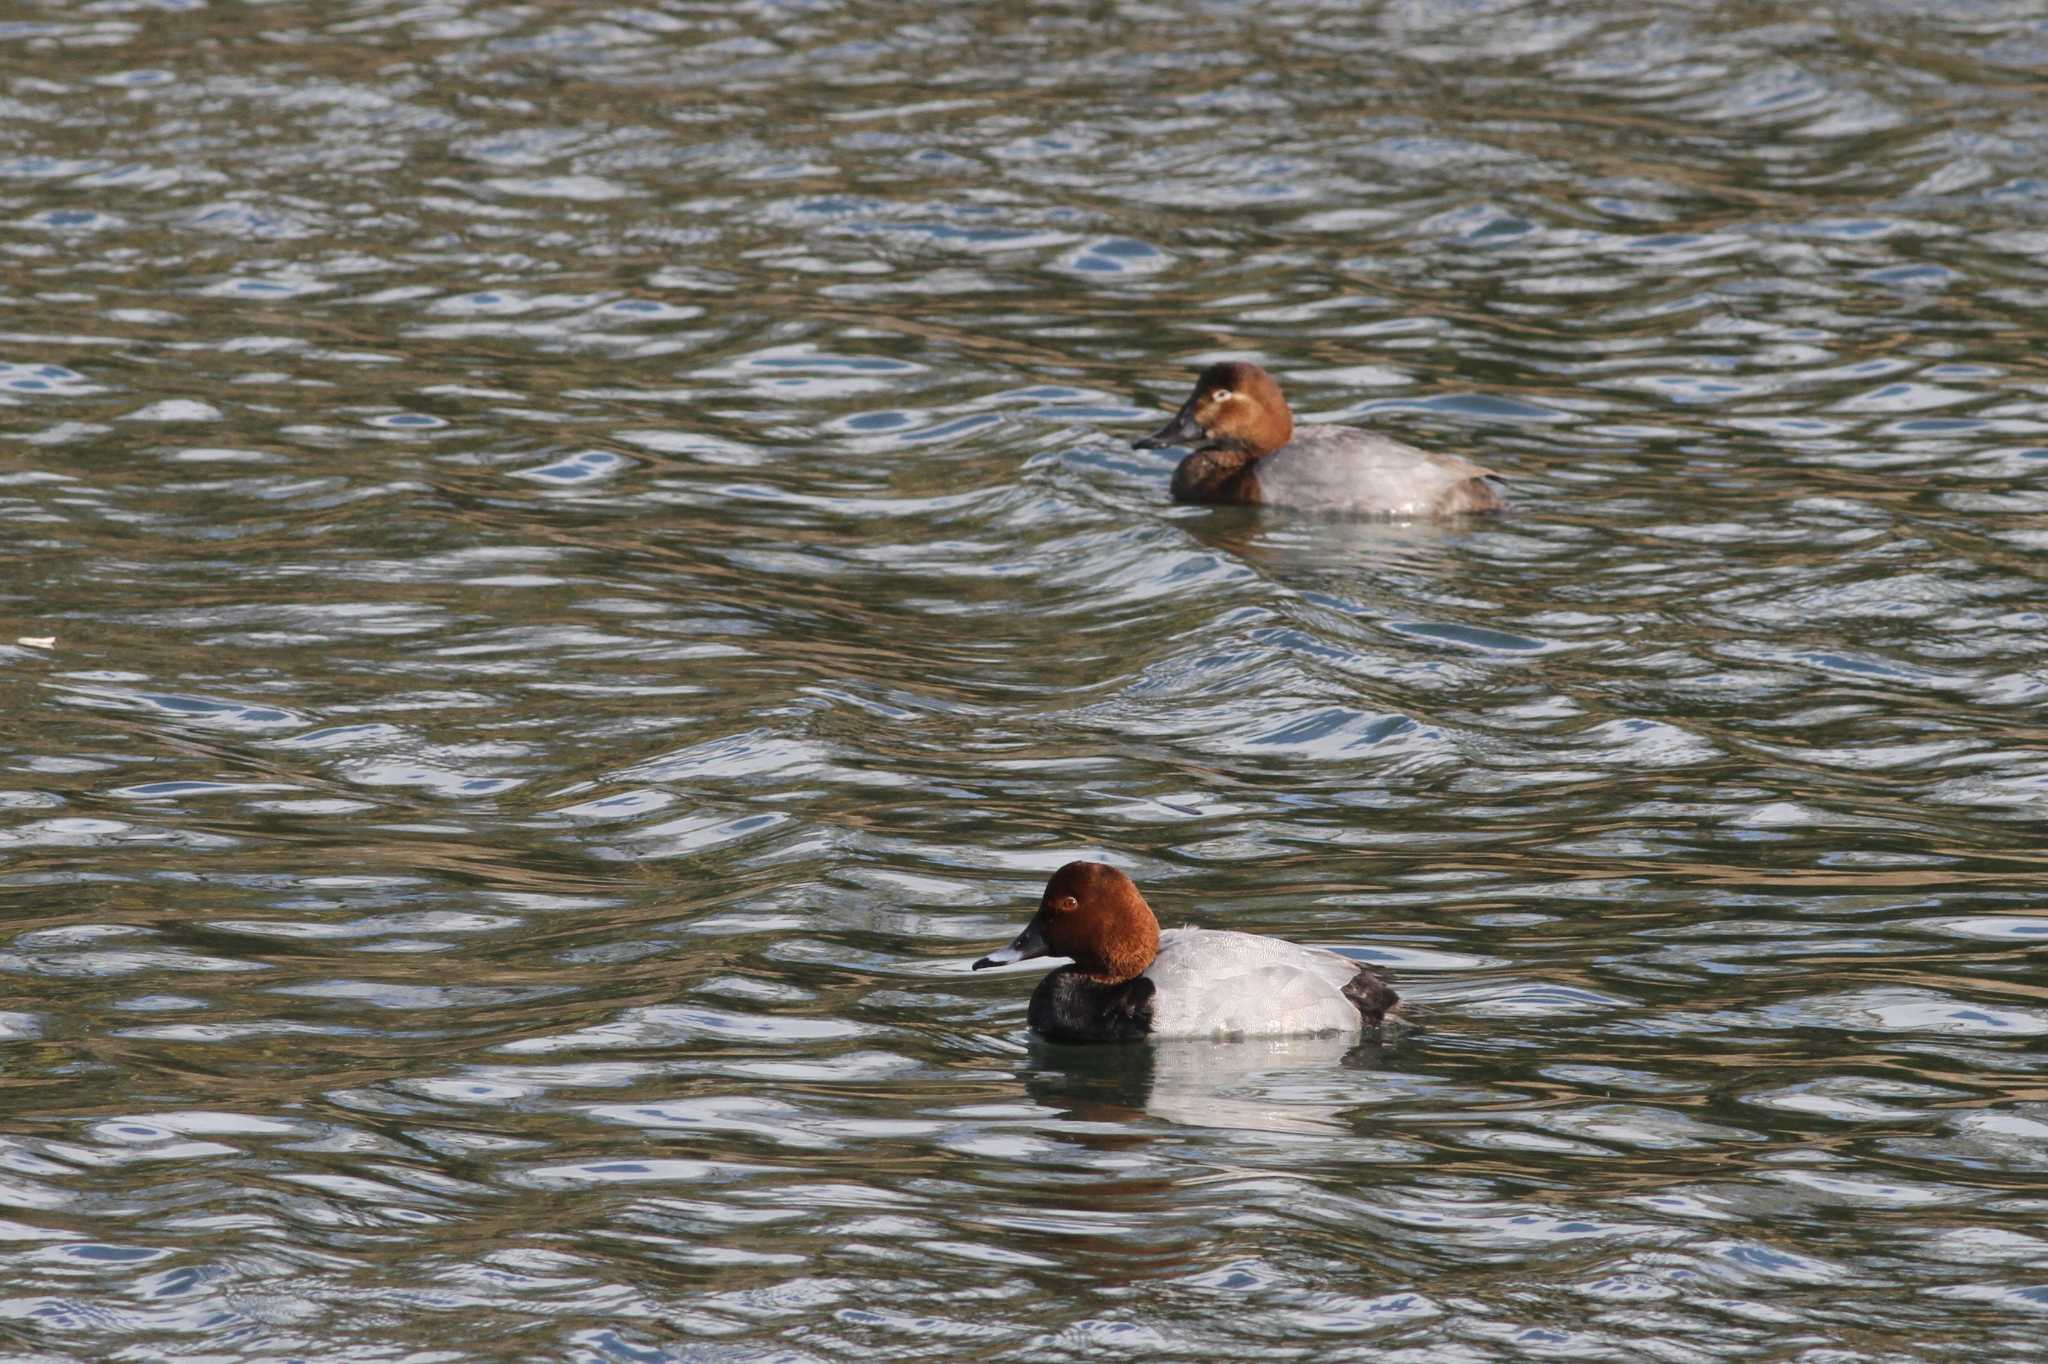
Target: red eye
<point>1221,395</point>
<point>1066,904</point>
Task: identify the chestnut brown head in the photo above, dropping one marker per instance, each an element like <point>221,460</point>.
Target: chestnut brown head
<point>1235,406</point>
<point>1093,913</point>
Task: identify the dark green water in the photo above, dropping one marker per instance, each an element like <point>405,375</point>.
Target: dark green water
<point>593,564</point>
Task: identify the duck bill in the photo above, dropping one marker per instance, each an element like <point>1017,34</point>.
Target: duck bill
<point>1026,945</point>
<point>1182,430</point>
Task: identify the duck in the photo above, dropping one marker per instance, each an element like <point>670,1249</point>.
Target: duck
<point>1130,982</point>
<point>1246,449</point>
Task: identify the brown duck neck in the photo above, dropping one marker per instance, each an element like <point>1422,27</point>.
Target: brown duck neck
<point>1217,473</point>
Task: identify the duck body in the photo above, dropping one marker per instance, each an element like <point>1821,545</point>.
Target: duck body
<point>1207,983</point>
<point>1130,982</point>
<point>1245,449</point>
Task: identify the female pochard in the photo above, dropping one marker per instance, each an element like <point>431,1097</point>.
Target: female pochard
<point>1248,449</point>
<point>1129,981</point>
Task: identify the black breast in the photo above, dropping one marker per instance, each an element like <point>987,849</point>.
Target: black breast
<point>1068,1006</point>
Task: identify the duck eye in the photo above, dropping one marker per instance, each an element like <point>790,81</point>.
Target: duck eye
<point>1066,904</point>
<point>1221,395</point>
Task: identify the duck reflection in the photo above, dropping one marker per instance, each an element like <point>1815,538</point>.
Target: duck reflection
<point>1294,545</point>
<point>1259,1084</point>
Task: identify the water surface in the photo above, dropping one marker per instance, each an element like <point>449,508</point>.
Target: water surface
<point>570,567</point>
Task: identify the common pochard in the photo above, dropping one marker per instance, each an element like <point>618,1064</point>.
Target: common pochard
<point>1247,449</point>
<point>1129,981</point>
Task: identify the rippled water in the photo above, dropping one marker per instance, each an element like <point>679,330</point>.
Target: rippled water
<point>574,566</point>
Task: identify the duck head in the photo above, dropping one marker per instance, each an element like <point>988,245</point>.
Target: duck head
<point>1093,913</point>
<point>1235,406</point>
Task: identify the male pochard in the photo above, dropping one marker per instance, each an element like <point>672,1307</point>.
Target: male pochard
<point>1247,449</point>
<point>1129,981</point>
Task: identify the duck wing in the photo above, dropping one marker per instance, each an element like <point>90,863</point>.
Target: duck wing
<point>1343,468</point>
<point>1221,984</point>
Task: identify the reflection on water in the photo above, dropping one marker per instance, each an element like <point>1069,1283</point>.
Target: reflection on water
<point>572,567</point>
<point>1255,1085</point>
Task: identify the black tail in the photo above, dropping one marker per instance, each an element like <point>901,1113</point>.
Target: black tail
<point>1375,1000</point>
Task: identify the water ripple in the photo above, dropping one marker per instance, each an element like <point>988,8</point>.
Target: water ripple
<point>574,568</point>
